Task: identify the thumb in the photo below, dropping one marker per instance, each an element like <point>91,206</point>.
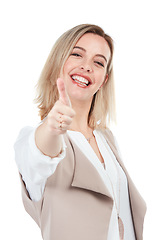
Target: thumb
<point>63,96</point>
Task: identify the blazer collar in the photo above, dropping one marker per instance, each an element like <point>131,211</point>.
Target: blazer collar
<point>86,176</point>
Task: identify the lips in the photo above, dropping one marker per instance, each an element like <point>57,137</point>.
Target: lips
<point>83,81</point>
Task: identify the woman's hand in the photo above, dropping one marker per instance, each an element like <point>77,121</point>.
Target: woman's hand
<point>48,135</point>
<point>61,115</point>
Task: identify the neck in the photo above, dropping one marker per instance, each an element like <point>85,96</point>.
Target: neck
<point>80,121</point>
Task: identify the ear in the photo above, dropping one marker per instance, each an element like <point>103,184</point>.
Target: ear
<point>106,79</point>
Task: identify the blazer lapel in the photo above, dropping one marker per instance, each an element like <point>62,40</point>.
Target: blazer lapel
<point>85,175</point>
<point>138,205</point>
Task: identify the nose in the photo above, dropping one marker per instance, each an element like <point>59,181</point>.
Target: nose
<point>87,69</point>
<point>85,66</point>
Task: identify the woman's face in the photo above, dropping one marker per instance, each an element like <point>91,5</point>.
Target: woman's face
<point>84,71</point>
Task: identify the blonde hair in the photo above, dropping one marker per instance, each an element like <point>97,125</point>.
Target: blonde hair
<point>102,109</point>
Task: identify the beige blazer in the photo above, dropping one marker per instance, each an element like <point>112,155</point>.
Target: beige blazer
<point>76,205</point>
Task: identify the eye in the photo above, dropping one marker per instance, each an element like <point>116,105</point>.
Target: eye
<point>75,54</point>
<point>99,63</point>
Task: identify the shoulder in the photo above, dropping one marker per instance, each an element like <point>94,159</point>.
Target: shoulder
<point>111,139</point>
<point>108,134</point>
<point>23,134</point>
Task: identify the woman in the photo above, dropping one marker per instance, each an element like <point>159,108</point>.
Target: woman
<point>75,185</point>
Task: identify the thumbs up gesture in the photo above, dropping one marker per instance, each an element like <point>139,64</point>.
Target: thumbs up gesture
<point>61,115</point>
<point>63,93</point>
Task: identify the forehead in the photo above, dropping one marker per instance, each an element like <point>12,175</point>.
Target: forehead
<point>94,44</point>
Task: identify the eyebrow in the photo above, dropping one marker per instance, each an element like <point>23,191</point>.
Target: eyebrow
<point>97,55</point>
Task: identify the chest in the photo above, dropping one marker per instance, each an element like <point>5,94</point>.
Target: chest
<point>94,145</point>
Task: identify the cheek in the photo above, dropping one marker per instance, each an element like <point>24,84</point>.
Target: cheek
<point>101,78</point>
<point>67,67</point>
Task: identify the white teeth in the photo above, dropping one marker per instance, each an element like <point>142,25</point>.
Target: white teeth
<point>80,79</point>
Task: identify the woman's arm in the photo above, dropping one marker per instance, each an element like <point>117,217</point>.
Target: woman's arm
<point>34,166</point>
<point>39,151</point>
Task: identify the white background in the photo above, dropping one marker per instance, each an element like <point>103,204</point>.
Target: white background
<point>28,31</point>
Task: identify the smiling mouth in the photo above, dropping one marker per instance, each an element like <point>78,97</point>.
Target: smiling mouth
<point>81,80</point>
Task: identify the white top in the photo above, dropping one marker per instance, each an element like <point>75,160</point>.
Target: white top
<point>35,168</point>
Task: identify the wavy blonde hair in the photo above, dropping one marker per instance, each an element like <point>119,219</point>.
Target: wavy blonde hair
<point>102,111</point>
